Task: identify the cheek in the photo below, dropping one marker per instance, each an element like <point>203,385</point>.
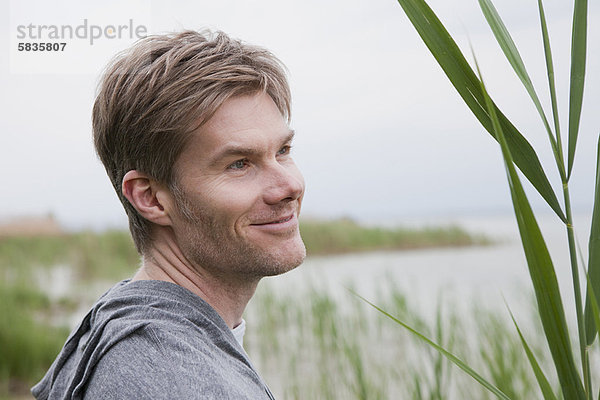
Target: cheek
<point>235,201</point>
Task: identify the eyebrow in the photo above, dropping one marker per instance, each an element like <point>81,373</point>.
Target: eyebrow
<point>235,150</point>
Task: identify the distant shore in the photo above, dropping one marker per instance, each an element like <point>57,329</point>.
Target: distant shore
<point>323,237</point>
<point>99,254</point>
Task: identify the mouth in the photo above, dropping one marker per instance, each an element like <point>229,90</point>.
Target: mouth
<point>275,222</point>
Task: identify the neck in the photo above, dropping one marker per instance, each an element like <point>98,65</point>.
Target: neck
<point>228,295</point>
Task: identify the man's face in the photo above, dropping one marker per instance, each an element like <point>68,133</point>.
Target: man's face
<point>239,192</point>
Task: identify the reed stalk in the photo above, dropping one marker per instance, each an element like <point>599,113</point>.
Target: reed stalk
<point>575,383</point>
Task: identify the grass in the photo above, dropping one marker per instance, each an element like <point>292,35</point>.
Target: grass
<point>30,339</point>
<point>92,255</point>
<point>312,345</point>
<point>308,343</point>
<point>28,345</point>
<point>111,254</point>
<point>29,336</point>
<point>345,235</point>
<point>575,381</point>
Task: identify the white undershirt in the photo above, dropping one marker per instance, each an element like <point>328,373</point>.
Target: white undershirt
<point>239,331</point>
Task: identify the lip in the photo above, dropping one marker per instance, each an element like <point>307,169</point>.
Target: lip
<point>279,224</point>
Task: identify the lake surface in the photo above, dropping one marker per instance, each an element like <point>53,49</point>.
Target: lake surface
<point>464,275</point>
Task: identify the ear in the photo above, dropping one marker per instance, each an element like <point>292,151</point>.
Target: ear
<point>148,197</point>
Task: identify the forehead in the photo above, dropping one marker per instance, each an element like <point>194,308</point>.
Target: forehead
<point>251,121</point>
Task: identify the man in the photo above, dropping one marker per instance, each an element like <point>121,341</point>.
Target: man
<point>193,131</point>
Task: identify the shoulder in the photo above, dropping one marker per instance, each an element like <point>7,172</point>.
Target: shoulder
<point>165,346</point>
<point>142,365</point>
<point>155,341</point>
<point>155,363</point>
<point>152,308</point>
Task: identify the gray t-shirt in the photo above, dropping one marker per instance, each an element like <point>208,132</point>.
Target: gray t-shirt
<point>151,340</point>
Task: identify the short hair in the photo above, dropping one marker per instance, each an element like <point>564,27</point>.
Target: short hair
<point>154,95</point>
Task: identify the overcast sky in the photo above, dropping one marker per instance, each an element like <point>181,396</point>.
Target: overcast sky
<point>381,134</point>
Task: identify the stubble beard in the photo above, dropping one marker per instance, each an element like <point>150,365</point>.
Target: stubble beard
<point>205,243</point>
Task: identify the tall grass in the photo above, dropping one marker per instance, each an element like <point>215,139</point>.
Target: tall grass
<point>33,320</point>
<point>28,344</point>
<point>345,235</point>
<point>92,255</point>
<point>575,381</point>
<point>110,254</point>
<point>310,344</point>
<point>31,335</point>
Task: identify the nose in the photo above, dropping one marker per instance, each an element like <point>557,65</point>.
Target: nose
<point>285,183</point>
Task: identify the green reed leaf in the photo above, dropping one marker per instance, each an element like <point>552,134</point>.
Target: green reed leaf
<point>594,260</point>
<point>578,56</point>
<point>551,81</point>
<point>514,58</point>
<point>542,273</point>
<point>454,359</point>
<point>594,303</point>
<point>545,387</point>
<point>464,80</point>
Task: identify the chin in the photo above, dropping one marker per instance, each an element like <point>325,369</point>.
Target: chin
<point>283,259</point>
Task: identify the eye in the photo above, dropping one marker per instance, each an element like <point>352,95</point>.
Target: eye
<point>239,164</point>
<point>284,150</point>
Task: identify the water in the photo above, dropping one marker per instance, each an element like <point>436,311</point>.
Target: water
<point>463,277</point>
<point>484,275</point>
